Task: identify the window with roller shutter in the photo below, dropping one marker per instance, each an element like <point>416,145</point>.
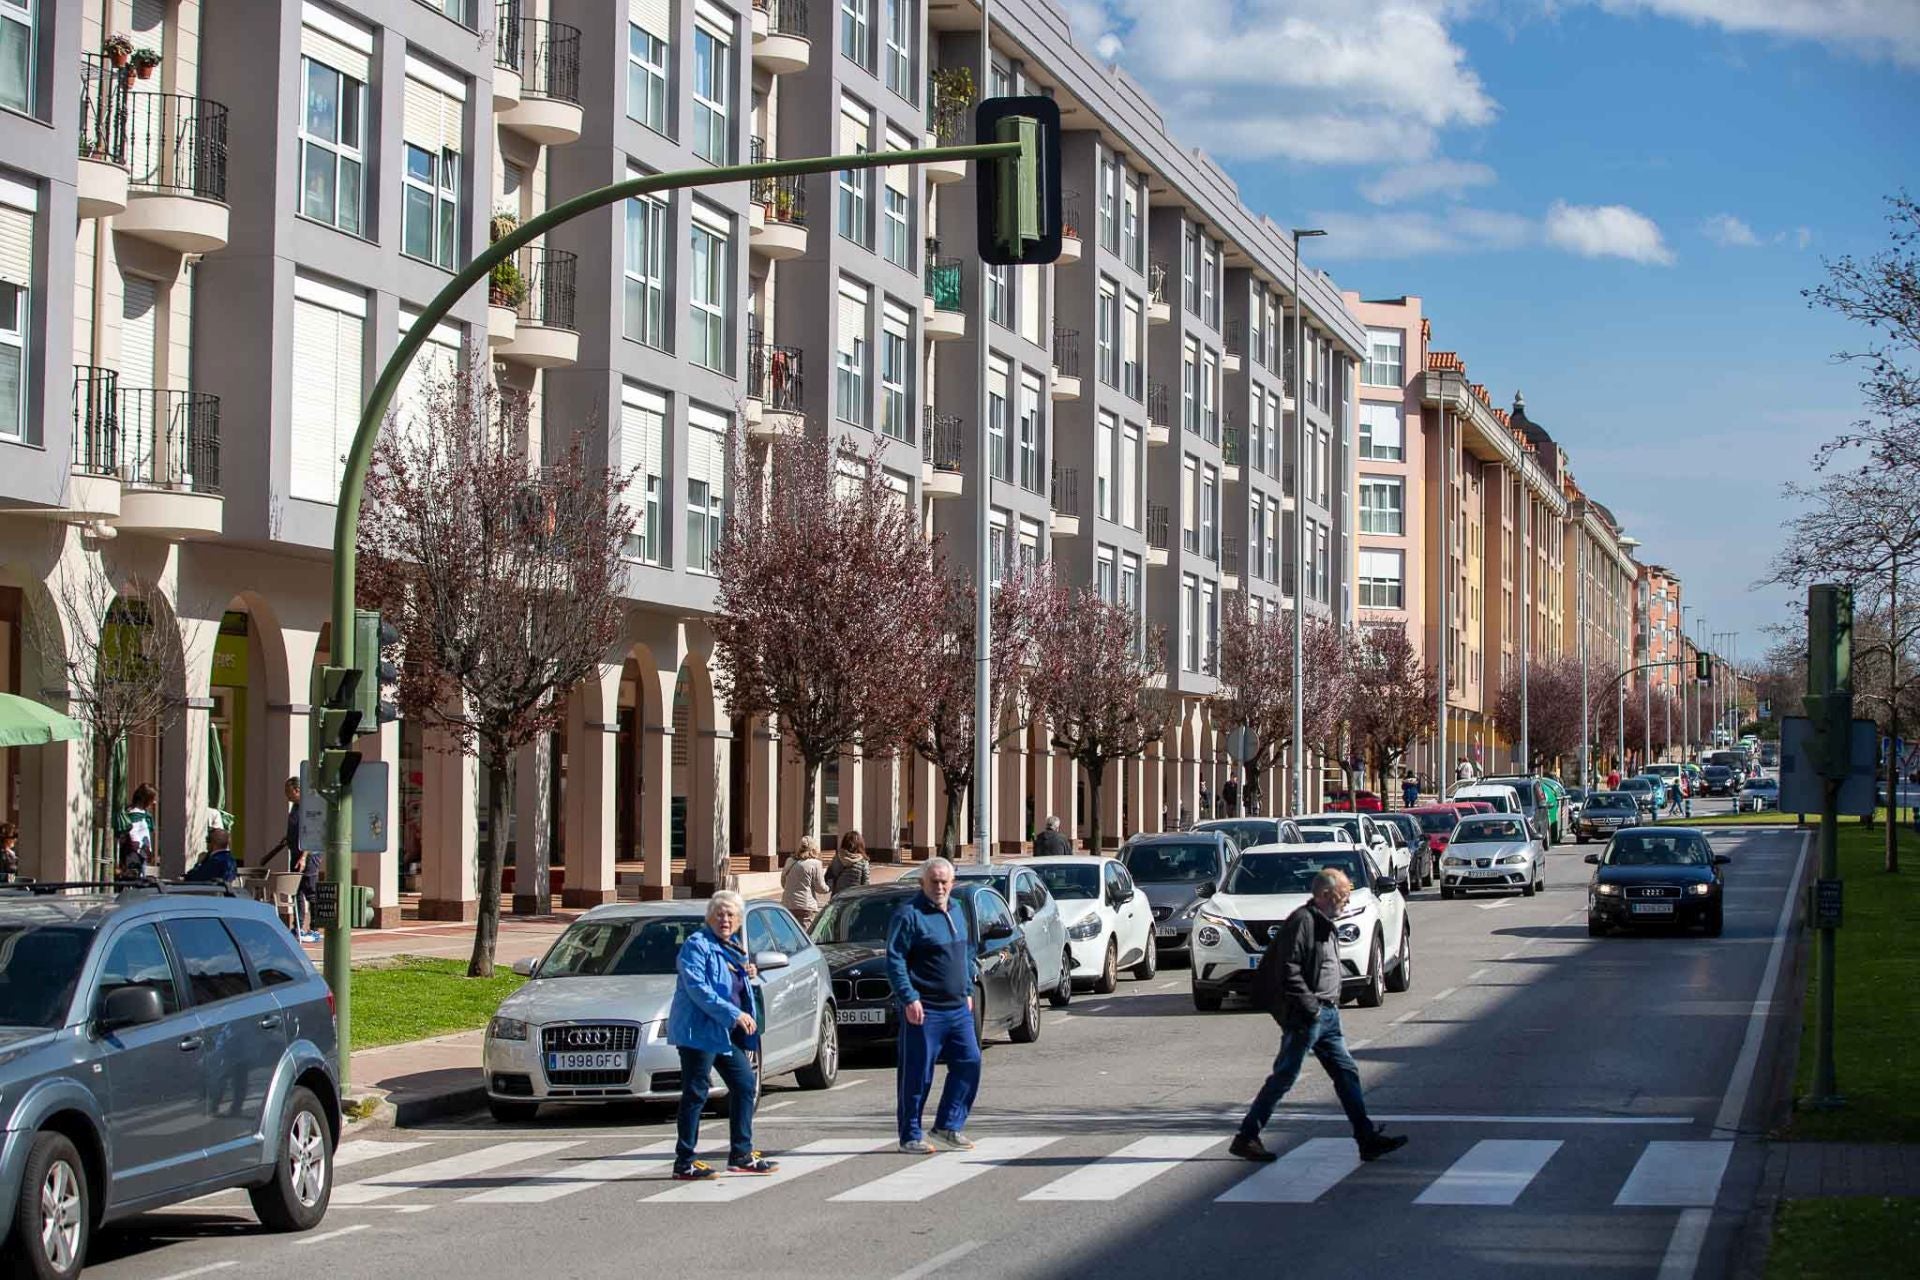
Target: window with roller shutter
<point>641,450</point>
<point>850,397</point>
<point>896,239</point>
<point>433,365</point>
<point>649,36</point>
<point>712,276</point>
<point>335,69</point>
<point>329,326</point>
<point>432,122</point>
<point>706,485</point>
<point>16,276</point>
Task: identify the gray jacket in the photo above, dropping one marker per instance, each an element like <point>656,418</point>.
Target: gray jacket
<point>1310,969</point>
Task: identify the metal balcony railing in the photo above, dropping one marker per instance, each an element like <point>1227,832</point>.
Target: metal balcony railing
<point>169,439</point>
<point>774,375</point>
<point>944,279</point>
<point>1159,412</point>
<point>1232,551</point>
<point>1289,573</point>
<point>1236,337</point>
<point>545,53</point>
<point>177,145</point>
<point>1158,524</point>
<point>551,276</point>
<point>96,415</point>
<point>1065,497</point>
<point>784,17</point>
<point>784,200</point>
<point>103,109</point>
<point>1069,213</point>
<point>1286,479</point>
<point>1066,351</point>
<point>941,444</point>
<point>949,112</point>
<point>1233,444</point>
<point>1157,281</point>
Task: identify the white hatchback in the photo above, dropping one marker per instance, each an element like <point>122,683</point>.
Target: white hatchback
<point>1368,834</point>
<point>1109,920</point>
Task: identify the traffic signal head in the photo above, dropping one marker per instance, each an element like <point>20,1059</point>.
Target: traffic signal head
<point>1703,668</point>
<point>1018,196</point>
<point>372,637</point>
<point>335,721</point>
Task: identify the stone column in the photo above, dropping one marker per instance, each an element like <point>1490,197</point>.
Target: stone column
<point>852,776</point>
<point>449,830</point>
<point>1066,799</point>
<point>763,798</point>
<point>924,816</point>
<point>1011,797</point>
<point>1040,778</point>
<point>880,818</point>
<point>532,831</point>
<point>710,792</point>
<point>593,729</point>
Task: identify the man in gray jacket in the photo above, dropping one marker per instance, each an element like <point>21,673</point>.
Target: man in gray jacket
<point>1299,982</point>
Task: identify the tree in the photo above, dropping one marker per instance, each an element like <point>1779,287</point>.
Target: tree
<point>1392,699</point>
<point>1256,680</point>
<point>828,600</point>
<point>1553,709</point>
<point>1094,681</point>
<point>1882,293</point>
<point>504,581</point>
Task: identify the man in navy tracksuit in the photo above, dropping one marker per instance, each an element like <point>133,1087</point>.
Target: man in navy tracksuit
<point>931,965</point>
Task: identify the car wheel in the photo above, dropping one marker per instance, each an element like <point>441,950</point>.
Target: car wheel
<point>1446,894</point>
<point>980,1015</point>
<point>1579,839</point>
<point>1109,979</point>
<point>1596,928</point>
<point>296,1199</point>
<point>1062,995</point>
<point>1208,1001</point>
<point>1374,994</point>
<point>1401,979</point>
<point>1527,889</point>
<point>1150,962</point>
<point>52,1219</point>
<point>1716,921</point>
<point>512,1112</point>
<point>1027,1030</point>
<point>825,1067</point>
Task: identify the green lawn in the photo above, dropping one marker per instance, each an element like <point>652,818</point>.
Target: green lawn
<point>1854,1239</point>
<point>416,997</point>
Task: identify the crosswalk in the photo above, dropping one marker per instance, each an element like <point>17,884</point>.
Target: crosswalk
<point>1450,1169</point>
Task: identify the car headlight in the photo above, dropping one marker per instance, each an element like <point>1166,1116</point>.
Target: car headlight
<point>506,1029</point>
<point>1189,911</point>
<point>1208,936</point>
<point>1702,889</point>
<point>1348,933</point>
<point>1607,890</point>
<point>1454,862</point>
<point>1513,859</point>
<point>1081,930</point>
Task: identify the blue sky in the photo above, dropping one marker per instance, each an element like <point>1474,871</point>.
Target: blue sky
<point>1610,205</point>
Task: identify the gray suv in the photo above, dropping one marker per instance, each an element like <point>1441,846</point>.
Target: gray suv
<point>156,1044</point>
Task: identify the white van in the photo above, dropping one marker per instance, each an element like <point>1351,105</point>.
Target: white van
<point>1498,794</point>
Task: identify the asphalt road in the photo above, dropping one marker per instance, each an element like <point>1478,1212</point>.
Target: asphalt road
<point>1575,1107</point>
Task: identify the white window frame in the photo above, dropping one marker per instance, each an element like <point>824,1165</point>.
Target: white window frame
<point>1190,387</point>
<point>1133,342</point>
<point>705,511</point>
<point>710,294</point>
<point>1210,282</point>
<point>999,391</point>
<point>850,398</point>
<point>23,14</point>
<point>342,152</point>
<point>1210,512</point>
<point>896,365</point>
<point>1189,622</point>
<point>1376,371</point>
<point>897,57</point>
<point>1190,267</point>
<point>853,203</point>
<point>649,278</point>
<point>1106,447</point>
<point>896,209</point>
<point>1106,574</point>
<point>856,32</point>
<point>443,195</point>
<point>1106,337</point>
<point>13,338</point>
<point>1370,448</point>
<point>1131,464</point>
<point>712,115</point>
<point>1030,457</point>
<point>1210,395</point>
<point>1132,230</point>
<point>1373,585</point>
<point>648,71</point>
<point>1109,178</point>
<point>1000,294</point>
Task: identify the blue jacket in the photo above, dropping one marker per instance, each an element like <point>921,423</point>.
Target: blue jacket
<point>704,1007</point>
<point>930,955</point>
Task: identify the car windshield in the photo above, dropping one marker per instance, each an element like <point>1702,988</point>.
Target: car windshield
<point>1761,784</point>
<point>1647,849</point>
<point>863,919</point>
<point>619,948</point>
<point>1604,800</point>
<point>39,965</point>
<point>1636,784</point>
<point>1071,879</point>
<point>1323,835</point>
<point>1246,834</point>
<point>1349,825</point>
<point>1172,863</point>
<point>1488,830</point>
<point>1437,823</point>
<point>1274,873</point>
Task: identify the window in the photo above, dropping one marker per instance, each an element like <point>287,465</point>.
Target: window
<point>901,21</point>
<point>1209,513</point>
<point>1032,457</point>
<point>999,378</point>
<point>332,146</point>
<point>1381,578</point>
<point>787,934</point>
<point>16,270</point>
<point>1109,202</point>
<point>1190,267</point>
<point>999,553</point>
<point>1190,503</point>
<point>895,365</point>
<point>854,215</point>
<point>856,36</point>
<point>1130,583</point>
<point>647,65</point>
<point>1132,240</point>
<point>645,272</point>
<point>1383,364</point>
<point>1210,395</point>
<point>641,449</point>
<point>706,485</point>
<point>1106,333</point>
<point>1323,582</point>
<point>1380,510</point>
<point>1380,432</point>
<point>1032,544</point>
<point>16,54</point>
<point>850,357</point>
<point>329,336</point>
<point>1210,283</point>
<point>712,94</point>
<point>210,960</point>
<point>1105,443</point>
<point>896,235</point>
<point>1132,343</point>
<point>1130,476</point>
<point>1256,338</point>
<point>432,120</point>
<point>1210,620</point>
<point>711,274</point>
<point>1190,387</point>
<point>1274,426</point>
<point>138,960</point>
<point>1273,540</point>
<point>1190,623</point>
<point>1000,294</point>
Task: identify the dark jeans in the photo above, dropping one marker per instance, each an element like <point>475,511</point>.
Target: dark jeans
<point>737,1071</point>
<point>1324,1037</point>
<point>947,1035</point>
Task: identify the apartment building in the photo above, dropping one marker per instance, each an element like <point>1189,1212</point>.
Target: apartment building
<point>1660,638</point>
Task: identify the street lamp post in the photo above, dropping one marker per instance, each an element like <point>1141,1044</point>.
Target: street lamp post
<point>1586,696</point>
<point>1526,615</point>
<point>1298,753</point>
<point>983,719</point>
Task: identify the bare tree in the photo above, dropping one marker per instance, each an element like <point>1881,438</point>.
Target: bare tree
<point>1883,294</point>
<point>1553,709</point>
<point>504,581</point>
<point>1391,699</point>
<point>1256,681</point>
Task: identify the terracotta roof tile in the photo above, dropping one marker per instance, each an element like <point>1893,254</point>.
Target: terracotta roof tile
<point>1445,362</point>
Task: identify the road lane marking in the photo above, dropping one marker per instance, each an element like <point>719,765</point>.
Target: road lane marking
<point>333,1235</point>
<point>774,1106</point>
<point>655,1157</point>
<point>846,1084</point>
<point>1677,1175</point>
<point>1495,905</point>
<point>1476,975</point>
<point>811,1158</point>
<point>200,1271</point>
<point>1493,1172</point>
<point>1682,1257</point>
<point>439,1172</point>
<point>1301,1176</point>
<point>1128,1169</point>
<point>362,1150</point>
<point>1735,1101</point>
<point>1081,1119</point>
<point>934,1174</point>
<point>938,1261</point>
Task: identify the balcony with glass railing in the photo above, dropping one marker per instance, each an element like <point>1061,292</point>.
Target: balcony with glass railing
<point>177,172</point>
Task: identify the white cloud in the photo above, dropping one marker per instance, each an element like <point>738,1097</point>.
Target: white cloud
<point>1874,28</point>
<point>1606,231</point>
<point>1411,234</point>
<point>1438,176</point>
<point>1729,232</point>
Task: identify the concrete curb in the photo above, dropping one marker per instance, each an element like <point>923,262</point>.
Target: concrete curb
<point>384,1112</point>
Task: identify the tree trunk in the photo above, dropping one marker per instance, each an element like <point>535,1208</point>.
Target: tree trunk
<point>486,926</point>
<point>1096,774</point>
<point>957,789</point>
<point>809,794</point>
<point>1893,717</point>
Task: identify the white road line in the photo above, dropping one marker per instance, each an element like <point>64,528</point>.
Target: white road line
<point>1301,1176</point>
<point>727,1188</point>
<point>774,1106</point>
<point>1683,1247</point>
<point>938,1261</point>
<point>655,1157</point>
<point>1677,1174</point>
<point>1476,975</point>
<point>846,1084</point>
<point>332,1235</point>
<point>1079,1120</point>
<point>1443,993</point>
<point>438,1172</point>
<point>1495,905</point>
<point>1494,1171</point>
<point>200,1271</point>
<point>366,1149</point>
<point>1128,1169</point>
<point>934,1174</point>
<point>1735,1101</point>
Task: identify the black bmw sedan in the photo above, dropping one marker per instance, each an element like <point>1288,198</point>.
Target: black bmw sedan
<point>1656,875</point>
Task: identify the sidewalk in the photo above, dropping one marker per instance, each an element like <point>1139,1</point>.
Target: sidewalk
<point>1799,1170</point>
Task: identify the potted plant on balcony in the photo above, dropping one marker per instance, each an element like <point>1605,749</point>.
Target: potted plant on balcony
<point>506,287</point>
<point>117,48</point>
<point>952,95</point>
<point>144,62</point>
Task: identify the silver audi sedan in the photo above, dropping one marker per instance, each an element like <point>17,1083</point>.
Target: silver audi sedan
<point>1493,851</point>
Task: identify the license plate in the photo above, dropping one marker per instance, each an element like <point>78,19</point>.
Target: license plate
<point>1164,932</point>
<point>588,1062</point>
<point>1487,873</point>
<point>1253,962</point>
<point>1652,908</point>
<point>860,1017</point>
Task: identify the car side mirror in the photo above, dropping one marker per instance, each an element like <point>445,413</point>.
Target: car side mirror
<point>1206,889</point>
<point>1594,858</point>
<point>1721,859</point>
<point>996,931</point>
<point>130,1007</point>
<point>524,966</point>
<point>1023,913</point>
<point>1385,885</point>
<point>766,960</point>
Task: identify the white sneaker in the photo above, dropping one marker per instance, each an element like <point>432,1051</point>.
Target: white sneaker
<point>918,1147</point>
<point>952,1140</point>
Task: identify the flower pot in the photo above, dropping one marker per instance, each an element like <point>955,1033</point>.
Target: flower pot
<point>118,58</point>
<point>144,71</point>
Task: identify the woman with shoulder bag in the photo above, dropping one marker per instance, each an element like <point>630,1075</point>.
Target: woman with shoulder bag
<point>803,885</point>
<point>850,866</point>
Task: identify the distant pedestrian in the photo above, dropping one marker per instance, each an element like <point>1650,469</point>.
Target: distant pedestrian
<point>803,885</point>
<point>1206,800</point>
<point>931,964</point>
<point>1050,843</point>
<point>850,865</point>
<point>1613,780</point>
<point>711,1023</point>
<point>9,852</point>
<point>138,838</point>
<point>1230,799</point>
<point>216,866</point>
<point>1299,983</point>
<point>1409,792</point>
<point>1464,771</point>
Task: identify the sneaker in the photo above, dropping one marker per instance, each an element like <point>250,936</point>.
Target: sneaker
<point>952,1140</point>
<point>692,1172</point>
<point>1251,1149</point>
<point>1380,1144</point>
<point>918,1147</point>
<point>755,1165</point>
<point>309,937</point>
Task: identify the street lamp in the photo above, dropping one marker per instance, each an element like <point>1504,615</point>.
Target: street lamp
<point>1299,526</point>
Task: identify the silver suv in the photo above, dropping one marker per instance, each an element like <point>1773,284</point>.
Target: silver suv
<point>156,1044</point>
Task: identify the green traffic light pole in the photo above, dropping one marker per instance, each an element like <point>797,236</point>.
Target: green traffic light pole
<point>339,856</point>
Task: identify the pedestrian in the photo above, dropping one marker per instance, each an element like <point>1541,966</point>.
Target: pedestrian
<point>1409,792</point>
<point>1229,798</point>
<point>9,852</point>
<point>1464,771</point>
<point>850,865</point>
<point>297,862</point>
<point>1613,779</point>
<point>712,1025</point>
<point>803,885</point>
<point>1673,798</point>
<point>216,866</point>
<point>1051,844</point>
<point>1298,982</point>
<point>931,964</point>
<point>137,840</point>
<point>1206,800</point>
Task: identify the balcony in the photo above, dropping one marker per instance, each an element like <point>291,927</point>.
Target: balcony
<point>94,493</point>
<point>177,184</point>
<point>544,334</point>
<point>1159,310</point>
<point>1236,336</point>
<point>777,221</point>
<point>546,57</point>
<point>943,316</point>
<point>506,56</point>
<point>943,453</point>
<point>1159,408</point>
<point>1066,363</point>
<point>102,184</point>
<point>949,124</point>
<point>1065,501</point>
<point>1233,449</point>
<point>1286,481</point>
<point>1158,525</point>
<point>1231,553</point>
<point>169,444</point>
<point>780,44</point>
<point>1069,227</point>
<point>776,397</point>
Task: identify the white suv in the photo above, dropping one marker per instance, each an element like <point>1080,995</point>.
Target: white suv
<point>1109,920</point>
<point>1269,882</point>
<point>1369,835</point>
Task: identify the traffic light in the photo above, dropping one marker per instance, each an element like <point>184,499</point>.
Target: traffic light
<point>372,637</point>
<point>1019,196</point>
<point>1829,699</point>
<point>1703,668</point>
<point>335,720</point>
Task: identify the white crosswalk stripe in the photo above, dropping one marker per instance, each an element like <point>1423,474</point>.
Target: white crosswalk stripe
<point>726,1188</point>
<point>1128,1169</point>
<point>641,1162</point>
<point>1680,1174</point>
<point>362,1150</point>
<point>1494,1171</point>
<point>1301,1176</point>
<point>930,1175</point>
<point>452,1169</point>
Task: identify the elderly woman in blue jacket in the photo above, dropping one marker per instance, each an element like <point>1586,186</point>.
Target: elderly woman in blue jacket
<point>712,1025</point>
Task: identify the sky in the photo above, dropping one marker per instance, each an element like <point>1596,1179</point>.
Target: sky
<point>1611,206</point>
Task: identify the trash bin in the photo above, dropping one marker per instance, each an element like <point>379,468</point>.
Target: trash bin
<point>360,907</point>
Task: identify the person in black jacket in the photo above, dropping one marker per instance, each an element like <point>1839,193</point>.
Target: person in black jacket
<point>1050,843</point>
<point>1299,978</point>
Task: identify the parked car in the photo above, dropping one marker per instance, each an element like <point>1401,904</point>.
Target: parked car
<point>1576,801</point>
<point>1235,926</point>
<point>1719,780</point>
<point>161,1043</point>
<point>1362,801</point>
<point>1109,921</point>
<point>590,1024</point>
<point>1540,802</point>
<point>1368,834</point>
<point>1178,871</point>
<point>1502,797</point>
<point>1656,875</point>
<point>1658,786</point>
<point>1038,915</point>
<point>1437,822</point>
<point>1413,838</point>
<point>1494,851</point>
<point>1604,813</point>
<point>852,935</point>
<point>1325,835</point>
<point>1670,774</point>
<point>1248,832</point>
<point>1760,794</point>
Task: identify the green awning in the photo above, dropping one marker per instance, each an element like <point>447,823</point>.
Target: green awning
<point>26,723</point>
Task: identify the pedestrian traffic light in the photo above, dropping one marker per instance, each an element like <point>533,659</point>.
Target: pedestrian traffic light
<point>1018,196</point>
<point>1829,700</point>
<point>1703,668</point>
<point>373,636</point>
<point>335,719</point>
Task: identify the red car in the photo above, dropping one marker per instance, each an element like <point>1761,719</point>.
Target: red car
<point>1437,822</point>
<point>1343,801</point>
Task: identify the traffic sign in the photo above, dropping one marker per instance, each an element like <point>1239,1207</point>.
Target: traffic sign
<point>1826,904</point>
<point>371,817</point>
<point>1801,786</point>
<point>1242,745</point>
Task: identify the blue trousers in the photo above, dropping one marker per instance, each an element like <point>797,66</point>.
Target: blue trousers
<point>1329,1044</point>
<point>737,1071</point>
<point>947,1035</point>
